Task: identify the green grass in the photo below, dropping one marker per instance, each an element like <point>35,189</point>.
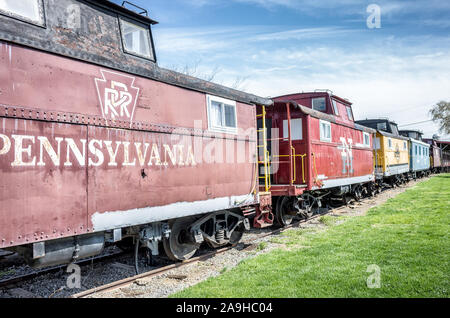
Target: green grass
<point>407,238</point>
<point>262,246</point>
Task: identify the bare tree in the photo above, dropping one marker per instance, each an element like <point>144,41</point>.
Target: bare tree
<point>193,70</point>
<point>441,115</point>
<point>436,137</point>
<point>239,83</point>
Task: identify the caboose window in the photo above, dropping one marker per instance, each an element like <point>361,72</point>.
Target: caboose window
<point>349,113</point>
<point>325,131</point>
<point>335,107</point>
<point>27,10</point>
<point>136,39</point>
<point>296,129</point>
<point>222,114</point>
<point>319,104</point>
<point>366,139</point>
<point>382,126</point>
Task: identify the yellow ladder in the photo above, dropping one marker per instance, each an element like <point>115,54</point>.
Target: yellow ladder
<point>266,162</point>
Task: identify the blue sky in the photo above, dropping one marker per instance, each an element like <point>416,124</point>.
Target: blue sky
<point>275,47</point>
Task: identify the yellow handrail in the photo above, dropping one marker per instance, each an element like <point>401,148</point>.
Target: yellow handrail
<point>295,165</point>
<point>266,161</point>
<point>295,156</point>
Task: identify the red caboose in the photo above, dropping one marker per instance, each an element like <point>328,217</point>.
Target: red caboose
<point>100,145</point>
<point>313,153</point>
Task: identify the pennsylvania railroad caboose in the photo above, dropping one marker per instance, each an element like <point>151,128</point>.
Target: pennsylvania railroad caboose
<point>98,144</point>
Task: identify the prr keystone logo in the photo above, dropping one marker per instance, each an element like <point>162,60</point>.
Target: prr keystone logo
<point>117,96</point>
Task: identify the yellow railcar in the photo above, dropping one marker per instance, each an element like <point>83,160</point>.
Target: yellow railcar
<point>391,150</point>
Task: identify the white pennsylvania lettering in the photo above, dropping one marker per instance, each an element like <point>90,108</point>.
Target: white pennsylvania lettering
<point>32,151</point>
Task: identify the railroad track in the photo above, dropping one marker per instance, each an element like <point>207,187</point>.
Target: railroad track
<point>159,271</point>
<point>54,269</point>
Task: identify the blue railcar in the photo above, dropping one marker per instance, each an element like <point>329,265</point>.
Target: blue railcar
<point>419,153</point>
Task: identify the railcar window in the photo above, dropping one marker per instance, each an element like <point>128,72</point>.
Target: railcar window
<point>27,10</point>
<point>325,131</point>
<point>394,129</point>
<point>222,114</point>
<point>382,126</point>
<point>349,113</point>
<point>296,129</point>
<point>335,107</point>
<point>366,139</point>
<point>319,104</point>
<point>136,39</point>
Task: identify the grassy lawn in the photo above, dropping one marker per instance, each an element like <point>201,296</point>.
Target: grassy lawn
<point>407,238</point>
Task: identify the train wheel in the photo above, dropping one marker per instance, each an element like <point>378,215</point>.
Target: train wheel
<point>237,235</point>
<point>283,215</point>
<point>177,246</point>
<point>357,193</point>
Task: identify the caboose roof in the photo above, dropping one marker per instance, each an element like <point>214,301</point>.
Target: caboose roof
<point>313,94</point>
<point>120,9</point>
<point>324,116</point>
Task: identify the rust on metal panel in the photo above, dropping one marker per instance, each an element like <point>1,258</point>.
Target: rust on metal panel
<point>43,185</point>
